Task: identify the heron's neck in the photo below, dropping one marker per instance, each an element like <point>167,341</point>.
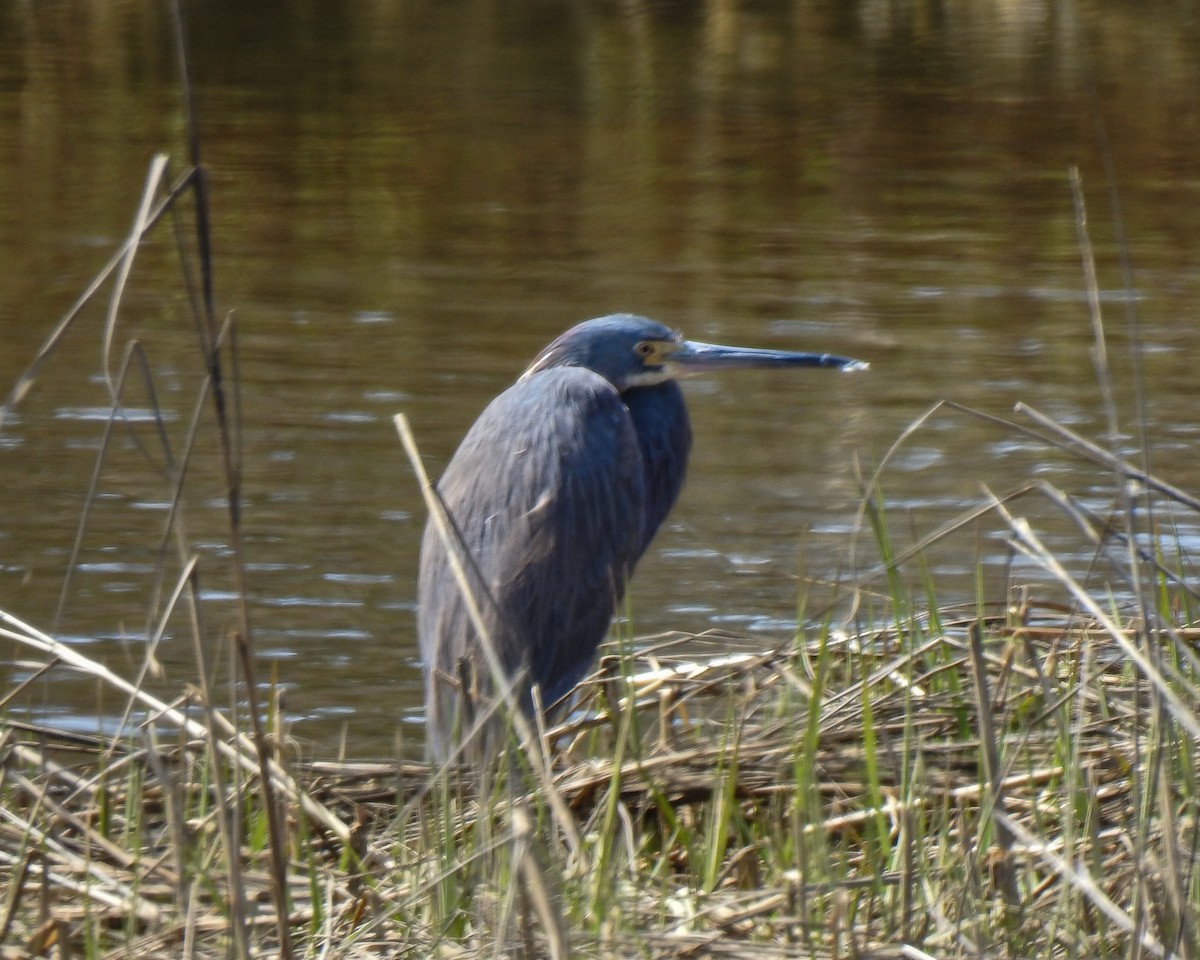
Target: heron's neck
<point>665,440</point>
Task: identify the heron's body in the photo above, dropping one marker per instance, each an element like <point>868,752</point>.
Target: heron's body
<point>555,493</point>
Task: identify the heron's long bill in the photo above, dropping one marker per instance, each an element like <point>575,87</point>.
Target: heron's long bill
<point>694,355</point>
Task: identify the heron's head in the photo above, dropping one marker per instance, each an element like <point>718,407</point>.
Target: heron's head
<point>627,350</point>
<point>631,351</point>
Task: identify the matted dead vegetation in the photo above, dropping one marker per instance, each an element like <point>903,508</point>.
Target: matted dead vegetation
<point>965,785</point>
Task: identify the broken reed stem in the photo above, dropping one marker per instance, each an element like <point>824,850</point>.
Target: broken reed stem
<point>211,348</point>
<point>992,769</point>
<point>1092,288</point>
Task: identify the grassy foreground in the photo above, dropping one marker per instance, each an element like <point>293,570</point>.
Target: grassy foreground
<point>1008,782</point>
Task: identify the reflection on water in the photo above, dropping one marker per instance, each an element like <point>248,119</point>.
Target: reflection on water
<point>412,197</point>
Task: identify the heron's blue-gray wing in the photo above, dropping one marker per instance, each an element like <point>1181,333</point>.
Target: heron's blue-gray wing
<point>547,493</point>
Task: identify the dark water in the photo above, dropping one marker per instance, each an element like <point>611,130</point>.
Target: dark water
<point>410,198</point>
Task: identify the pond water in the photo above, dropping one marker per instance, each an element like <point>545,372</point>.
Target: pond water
<point>411,197</point>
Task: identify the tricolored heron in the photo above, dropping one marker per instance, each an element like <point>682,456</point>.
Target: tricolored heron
<point>553,495</point>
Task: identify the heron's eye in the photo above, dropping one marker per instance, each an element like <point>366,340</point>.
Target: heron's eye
<point>645,349</point>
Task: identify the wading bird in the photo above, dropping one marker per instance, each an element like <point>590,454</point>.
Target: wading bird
<point>551,498</point>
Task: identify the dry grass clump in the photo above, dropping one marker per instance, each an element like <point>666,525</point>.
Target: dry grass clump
<point>966,785</point>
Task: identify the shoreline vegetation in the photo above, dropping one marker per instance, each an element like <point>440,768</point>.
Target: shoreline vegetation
<point>1012,777</point>
<point>987,781</point>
